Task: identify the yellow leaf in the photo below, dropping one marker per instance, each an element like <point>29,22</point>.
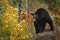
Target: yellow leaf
<point>5,2</point>
<point>15,11</point>
<point>30,34</point>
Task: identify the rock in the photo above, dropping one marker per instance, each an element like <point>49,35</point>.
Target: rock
<point>44,36</point>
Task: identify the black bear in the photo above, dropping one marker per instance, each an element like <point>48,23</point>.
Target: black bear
<point>41,17</point>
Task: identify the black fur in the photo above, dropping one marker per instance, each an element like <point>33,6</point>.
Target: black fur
<point>42,17</point>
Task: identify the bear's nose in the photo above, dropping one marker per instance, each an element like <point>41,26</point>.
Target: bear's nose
<point>34,20</point>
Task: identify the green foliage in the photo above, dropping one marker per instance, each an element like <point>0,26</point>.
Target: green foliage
<point>54,5</point>
<point>47,1</point>
<point>6,32</point>
<point>0,22</point>
<point>52,2</point>
<point>1,14</point>
<point>13,2</point>
<point>0,19</point>
<point>0,5</point>
<point>40,0</point>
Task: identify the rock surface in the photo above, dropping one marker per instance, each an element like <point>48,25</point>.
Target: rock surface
<point>44,36</point>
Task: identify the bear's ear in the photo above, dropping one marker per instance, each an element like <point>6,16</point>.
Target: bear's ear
<point>32,13</point>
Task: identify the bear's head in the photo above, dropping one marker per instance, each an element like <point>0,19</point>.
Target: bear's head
<point>38,15</point>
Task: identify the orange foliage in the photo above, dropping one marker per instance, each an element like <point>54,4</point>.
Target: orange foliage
<point>23,16</point>
<point>30,18</point>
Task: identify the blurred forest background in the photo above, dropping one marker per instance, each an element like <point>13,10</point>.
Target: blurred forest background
<point>13,14</point>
